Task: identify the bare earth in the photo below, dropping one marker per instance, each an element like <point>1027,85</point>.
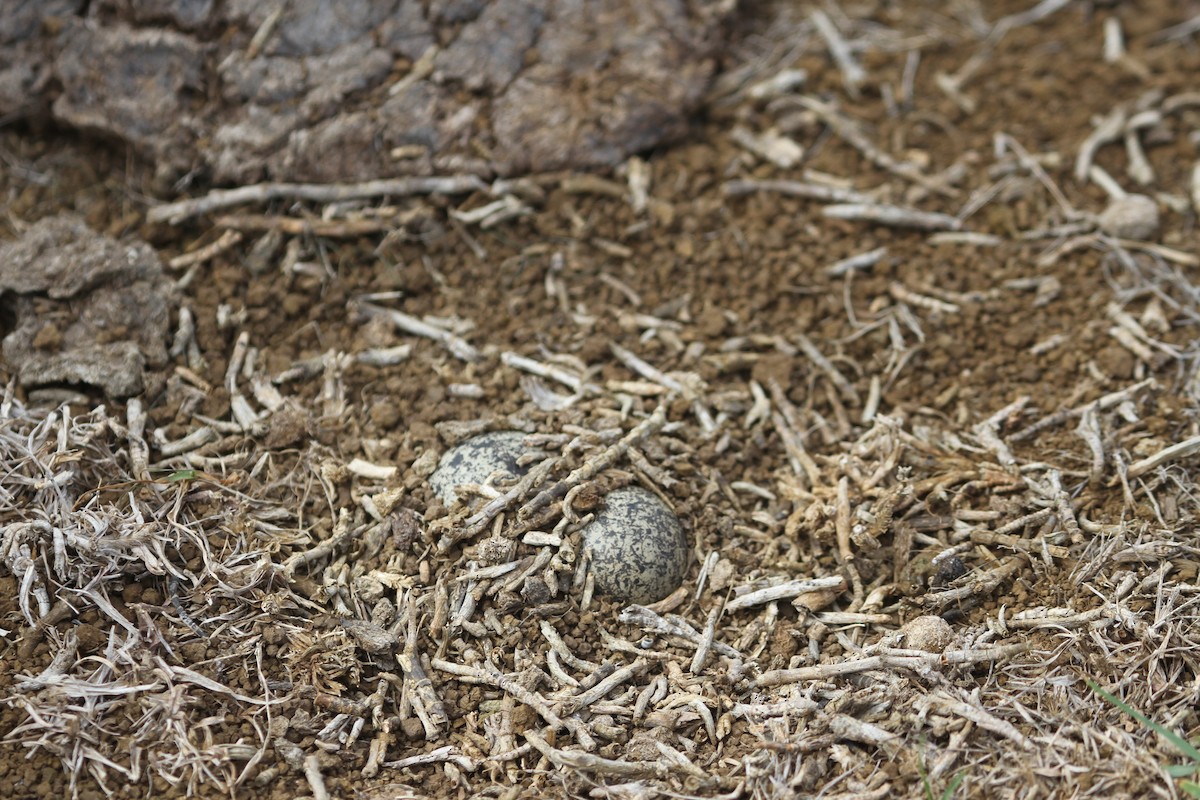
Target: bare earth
<point>885,337</point>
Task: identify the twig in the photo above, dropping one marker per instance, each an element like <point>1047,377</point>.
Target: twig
<point>862,261</point>
<point>227,240</point>
<point>174,213</point>
<point>1175,452</point>
<point>853,75</point>
<point>458,347</point>
<point>312,774</point>
<point>297,226</point>
<point>785,591</point>
<point>521,695</point>
<point>1108,401</point>
<point>894,216</point>
<point>910,661</point>
<point>598,463</point>
<point>844,387</point>
<point>808,191</point>
<point>586,762</point>
<point>342,533</point>
<point>848,132</point>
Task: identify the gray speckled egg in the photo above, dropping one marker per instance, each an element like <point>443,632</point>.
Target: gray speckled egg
<point>475,459</point>
<point>639,553</point>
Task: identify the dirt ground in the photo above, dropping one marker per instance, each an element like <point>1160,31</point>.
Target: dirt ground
<point>973,422</point>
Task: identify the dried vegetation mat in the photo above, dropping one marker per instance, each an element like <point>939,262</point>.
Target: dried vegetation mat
<point>892,594</point>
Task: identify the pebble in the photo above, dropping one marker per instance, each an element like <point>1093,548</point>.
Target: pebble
<point>1133,216</point>
<point>929,633</point>
<point>475,459</point>
<point>639,553</point>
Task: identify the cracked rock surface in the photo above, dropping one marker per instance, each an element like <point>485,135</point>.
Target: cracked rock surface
<point>318,90</point>
<point>86,309</point>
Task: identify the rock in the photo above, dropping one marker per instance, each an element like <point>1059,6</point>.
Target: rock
<point>135,84</point>
<point>27,53</point>
<point>334,90</point>
<point>87,308</point>
<point>1134,216</point>
<point>474,460</point>
<point>929,633</point>
<point>639,553</point>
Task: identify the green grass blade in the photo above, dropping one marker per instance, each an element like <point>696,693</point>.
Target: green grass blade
<point>953,785</point>
<point>1182,744</point>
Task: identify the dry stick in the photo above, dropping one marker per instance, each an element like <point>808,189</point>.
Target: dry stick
<point>894,216</point>
<point>647,619</point>
<point>706,641</point>
<point>911,661</point>
<point>808,191</point>
<point>578,702</point>
<point>788,421</point>
<point>1018,543</point>
<point>1088,429</point>
<point>653,373</point>
<point>977,715</point>
<point>905,295</point>
<point>853,75</point>
<point>477,522</point>
<point>174,213</point>
<point>458,347</point>
<point>600,462</point>
<point>842,521</point>
<point>862,261</point>
<point>981,585</point>
<point>571,381</point>
<point>446,753</point>
<point>842,526</point>
<point>1184,449</point>
<point>585,762</point>
<point>852,729</point>
<point>559,646</point>
<point>312,773</point>
<point>139,451</point>
<point>785,591</point>
<point>296,226</point>
<point>848,132</point>
<point>844,387</point>
<point>1106,402</point>
<point>988,431</point>
<point>342,533</point>
<point>521,695</point>
<point>1111,128</point>
<point>1030,163</point>
<point>227,240</point>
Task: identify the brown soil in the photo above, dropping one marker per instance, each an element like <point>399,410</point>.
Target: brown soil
<point>733,282</point>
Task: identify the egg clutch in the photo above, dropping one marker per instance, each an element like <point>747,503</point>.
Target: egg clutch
<point>634,545</point>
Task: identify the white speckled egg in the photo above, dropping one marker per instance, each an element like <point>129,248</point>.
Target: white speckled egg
<point>474,460</point>
<point>639,553</point>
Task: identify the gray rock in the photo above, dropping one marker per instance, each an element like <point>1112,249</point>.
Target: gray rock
<point>474,460</point>
<point>535,86</point>
<point>185,14</point>
<point>87,308</point>
<point>27,53</point>
<point>1134,216</point>
<point>135,84</point>
<point>639,553</point>
<point>491,50</point>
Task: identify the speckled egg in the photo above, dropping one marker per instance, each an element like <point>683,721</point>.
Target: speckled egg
<point>474,460</point>
<point>639,553</point>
